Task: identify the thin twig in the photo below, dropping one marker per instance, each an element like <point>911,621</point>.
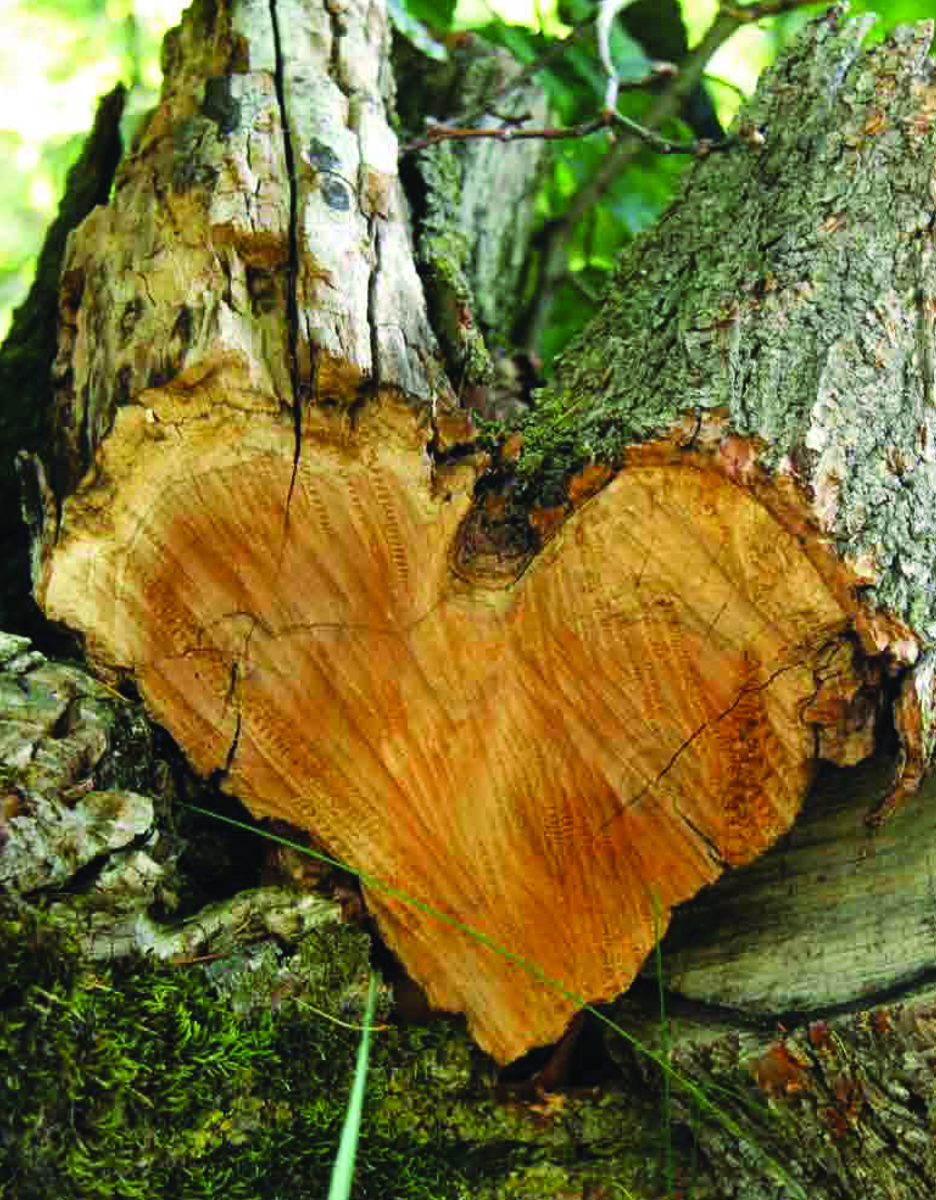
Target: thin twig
<point>345,1024</point>
<point>442,131</point>
<point>668,103</point>
<point>729,19</point>
<point>729,84</point>
<point>744,14</point>
<point>657,69</point>
<point>698,146</point>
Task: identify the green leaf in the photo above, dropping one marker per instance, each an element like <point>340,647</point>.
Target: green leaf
<point>437,14</point>
<point>415,31</point>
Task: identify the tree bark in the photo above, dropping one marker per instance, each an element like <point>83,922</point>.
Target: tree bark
<point>548,697</point>
<point>29,350</point>
<point>797,995</point>
<point>837,1108</point>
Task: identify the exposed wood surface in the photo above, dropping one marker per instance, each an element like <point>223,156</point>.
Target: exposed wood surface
<point>547,761</point>
<point>263,519</point>
<point>793,287</point>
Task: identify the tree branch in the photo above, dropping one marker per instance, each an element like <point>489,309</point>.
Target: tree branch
<point>440,131</point>
<point>557,238</point>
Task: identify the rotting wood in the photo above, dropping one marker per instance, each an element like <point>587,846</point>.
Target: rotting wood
<point>843,1105</point>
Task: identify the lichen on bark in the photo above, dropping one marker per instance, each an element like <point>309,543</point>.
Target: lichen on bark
<point>792,285</point>
<point>471,252</point>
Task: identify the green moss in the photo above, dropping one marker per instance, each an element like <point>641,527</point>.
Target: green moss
<point>231,1079</point>
<point>553,445</point>
<point>138,1081</point>
<point>587,414</point>
<point>444,253</point>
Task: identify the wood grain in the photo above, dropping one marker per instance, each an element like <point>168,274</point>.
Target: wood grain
<point>556,762</point>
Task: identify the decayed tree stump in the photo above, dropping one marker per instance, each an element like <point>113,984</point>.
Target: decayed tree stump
<point>554,709</point>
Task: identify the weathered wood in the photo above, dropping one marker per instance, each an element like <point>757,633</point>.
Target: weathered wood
<point>839,1108</point>
<point>551,712</point>
<point>835,913</point>
<point>801,1000</point>
<point>29,349</point>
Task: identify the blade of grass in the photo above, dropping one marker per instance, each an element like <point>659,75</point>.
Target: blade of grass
<point>343,1170</point>
<point>669,1171</point>
<point>670,1072</point>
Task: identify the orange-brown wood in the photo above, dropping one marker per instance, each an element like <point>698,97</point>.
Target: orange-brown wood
<point>555,761</point>
<point>268,514</point>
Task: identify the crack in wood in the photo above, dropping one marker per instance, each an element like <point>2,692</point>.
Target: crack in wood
<point>292,276</point>
<point>693,737</point>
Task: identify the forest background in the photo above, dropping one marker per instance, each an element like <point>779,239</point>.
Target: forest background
<point>59,56</point>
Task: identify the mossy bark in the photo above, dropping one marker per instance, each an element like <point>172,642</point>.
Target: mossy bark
<point>144,1079</point>
<point>472,253</point>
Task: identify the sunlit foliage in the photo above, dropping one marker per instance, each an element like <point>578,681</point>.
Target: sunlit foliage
<point>59,55</point>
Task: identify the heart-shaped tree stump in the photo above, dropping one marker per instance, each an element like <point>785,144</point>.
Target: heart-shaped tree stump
<point>555,761</point>
<point>549,720</point>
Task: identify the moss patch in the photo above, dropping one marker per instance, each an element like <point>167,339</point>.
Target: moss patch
<point>231,1078</point>
<point>138,1080</point>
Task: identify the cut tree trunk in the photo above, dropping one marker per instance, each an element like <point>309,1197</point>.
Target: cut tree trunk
<point>549,698</point>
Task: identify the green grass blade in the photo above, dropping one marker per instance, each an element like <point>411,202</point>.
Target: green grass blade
<point>669,1169</point>
<point>343,1170</point>
<point>672,1075</point>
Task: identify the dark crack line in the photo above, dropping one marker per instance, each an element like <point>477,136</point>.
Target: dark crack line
<point>374,235</point>
<point>292,300</point>
<point>652,783</point>
<point>231,698</point>
<point>703,837</point>
<point>231,693</point>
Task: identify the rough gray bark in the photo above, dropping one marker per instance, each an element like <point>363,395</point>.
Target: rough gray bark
<point>472,252</point>
<point>839,1108</point>
<point>789,297</point>
<point>64,800</point>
